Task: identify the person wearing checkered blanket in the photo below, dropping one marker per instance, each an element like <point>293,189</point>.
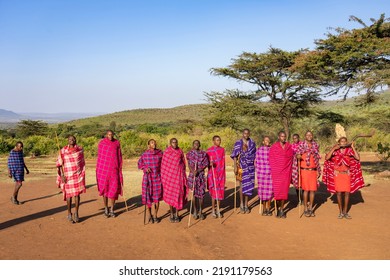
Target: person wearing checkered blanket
<point>174,179</point>
<point>71,176</point>
<point>264,179</point>
<point>308,157</point>
<point>16,167</point>
<point>197,162</point>
<point>150,164</point>
<point>216,176</point>
<point>294,179</point>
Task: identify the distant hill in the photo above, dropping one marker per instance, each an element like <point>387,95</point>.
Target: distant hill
<point>9,116</point>
<point>193,112</point>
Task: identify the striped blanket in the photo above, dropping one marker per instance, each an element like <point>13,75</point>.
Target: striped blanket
<point>247,163</point>
<point>199,159</point>
<point>280,160</point>
<point>305,148</point>
<point>263,171</point>
<point>346,158</point>
<point>173,177</point>
<point>109,176</point>
<point>216,167</point>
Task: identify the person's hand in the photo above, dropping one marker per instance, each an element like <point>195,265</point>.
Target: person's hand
<point>27,171</point>
<point>10,175</point>
<point>353,145</point>
<point>299,156</point>
<point>336,147</point>
<point>63,178</point>
<point>148,170</point>
<point>318,175</point>
<point>235,170</point>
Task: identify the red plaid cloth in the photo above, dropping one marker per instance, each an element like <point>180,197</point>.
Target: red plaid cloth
<point>109,176</point>
<point>314,150</point>
<point>173,177</point>
<point>280,161</point>
<point>217,167</point>
<point>346,158</point>
<point>72,160</point>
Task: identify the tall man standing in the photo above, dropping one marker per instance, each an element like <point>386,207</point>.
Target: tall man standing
<point>109,176</point>
<point>244,154</point>
<point>280,159</point>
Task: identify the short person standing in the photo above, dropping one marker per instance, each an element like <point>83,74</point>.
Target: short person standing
<point>197,162</point>
<point>150,164</point>
<point>109,176</point>
<point>71,175</point>
<point>16,167</point>
<point>343,173</point>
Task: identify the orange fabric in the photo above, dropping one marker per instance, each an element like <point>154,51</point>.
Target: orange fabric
<point>342,181</point>
<point>308,177</point>
<point>312,162</point>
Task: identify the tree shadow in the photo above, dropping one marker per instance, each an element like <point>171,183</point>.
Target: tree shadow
<point>38,215</point>
<point>42,197</point>
<point>372,167</point>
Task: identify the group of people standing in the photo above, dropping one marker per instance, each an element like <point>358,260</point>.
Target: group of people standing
<point>165,178</point>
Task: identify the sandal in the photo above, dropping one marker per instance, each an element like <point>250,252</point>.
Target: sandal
<point>312,213</point>
<point>70,218</point>
<point>202,216</point>
<point>220,215</point>
<point>247,210</point>
<point>242,210</point>
<point>347,216</point>
<point>265,213</point>
<point>214,215</point>
<point>14,200</point>
<point>307,213</point>
<point>156,220</point>
<point>282,214</point>
<point>76,218</point>
<point>172,219</point>
<point>340,216</point>
<point>106,214</point>
<point>112,214</point>
<point>177,219</point>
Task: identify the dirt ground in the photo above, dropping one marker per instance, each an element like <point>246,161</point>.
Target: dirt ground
<point>38,228</point>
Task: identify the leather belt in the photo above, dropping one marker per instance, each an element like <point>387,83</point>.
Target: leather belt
<point>311,169</point>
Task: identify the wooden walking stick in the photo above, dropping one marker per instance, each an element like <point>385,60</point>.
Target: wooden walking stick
<point>124,198</point>
<point>59,153</point>
<point>216,193</point>
<point>299,189</point>
<point>192,198</point>
<point>276,209</point>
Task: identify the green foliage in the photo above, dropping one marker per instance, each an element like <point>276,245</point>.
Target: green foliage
<point>39,145</point>
<point>383,151</point>
<point>351,59</point>
<point>27,128</point>
<point>272,73</point>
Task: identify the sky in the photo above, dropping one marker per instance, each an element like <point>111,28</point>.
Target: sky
<point>108,56</point>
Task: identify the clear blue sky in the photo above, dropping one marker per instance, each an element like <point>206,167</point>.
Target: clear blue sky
<point>106,56</point>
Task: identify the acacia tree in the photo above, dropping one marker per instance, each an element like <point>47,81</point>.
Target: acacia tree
<point>271,73</point>
<point>357,59</point>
